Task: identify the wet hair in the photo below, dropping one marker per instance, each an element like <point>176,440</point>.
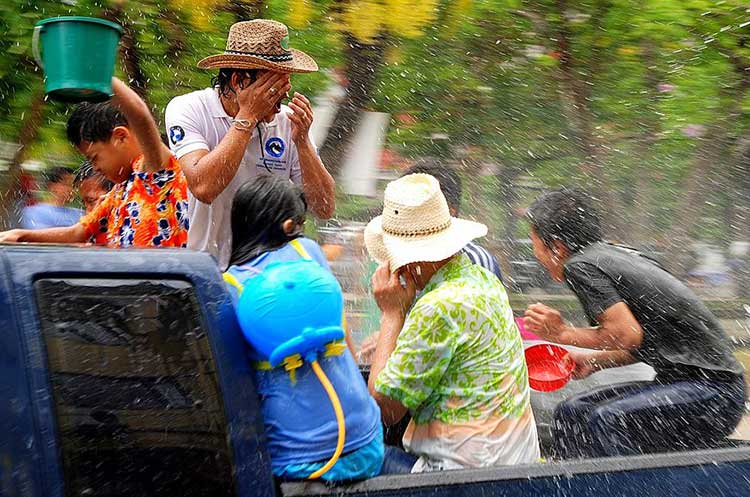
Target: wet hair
<point>566,215</point>
<point>75,121</point>
<point>450,181</point>
<point>86,171</point>
<point>224,79</point>
<point>259,209</point>
<point>57,174</point>
<point>93,122</point>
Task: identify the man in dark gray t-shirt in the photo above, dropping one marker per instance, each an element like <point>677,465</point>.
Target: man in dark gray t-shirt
<point>638,312</point>
<point>682,339</point>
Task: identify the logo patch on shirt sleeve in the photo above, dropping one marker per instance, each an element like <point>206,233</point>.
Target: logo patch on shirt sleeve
<point>176,134</point>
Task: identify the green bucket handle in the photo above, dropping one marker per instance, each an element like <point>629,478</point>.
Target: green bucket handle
<point>35,46</point>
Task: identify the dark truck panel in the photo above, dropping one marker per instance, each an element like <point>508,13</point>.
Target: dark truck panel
<point>124,373</point>
<point>183,311</point>
<point>724,473</point>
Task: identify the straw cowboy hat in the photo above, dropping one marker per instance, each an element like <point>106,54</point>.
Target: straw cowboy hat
<point>260,44</point>
<point>416,225</point>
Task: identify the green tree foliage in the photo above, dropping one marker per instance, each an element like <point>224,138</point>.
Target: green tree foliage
<point>641,101</point>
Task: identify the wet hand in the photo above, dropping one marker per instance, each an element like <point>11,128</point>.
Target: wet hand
<point>390,295</point>
<point>301,117</point>
<point>259,100</point>
<point>545,322</point>
<point>585,364</point>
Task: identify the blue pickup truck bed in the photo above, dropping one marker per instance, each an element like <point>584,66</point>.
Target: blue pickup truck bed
<point>123,373</point>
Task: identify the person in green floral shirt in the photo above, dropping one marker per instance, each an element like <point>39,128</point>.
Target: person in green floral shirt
<point>454,358</point>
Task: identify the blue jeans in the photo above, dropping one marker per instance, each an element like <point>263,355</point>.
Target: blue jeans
<point>648,417</point>
<point>397,461</point>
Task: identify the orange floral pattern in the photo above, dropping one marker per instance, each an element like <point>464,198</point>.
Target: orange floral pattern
<point>149,209</point>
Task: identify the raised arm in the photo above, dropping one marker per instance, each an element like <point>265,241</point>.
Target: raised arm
<point>317,182</point>
<point>141,122</point>
<point>209,172</point>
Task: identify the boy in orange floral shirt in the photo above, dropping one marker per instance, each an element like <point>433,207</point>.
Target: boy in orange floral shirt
<point>148,205</point>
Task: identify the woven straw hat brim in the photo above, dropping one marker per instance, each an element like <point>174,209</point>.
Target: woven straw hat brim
<point>400,251</point>
<point>300,63</point>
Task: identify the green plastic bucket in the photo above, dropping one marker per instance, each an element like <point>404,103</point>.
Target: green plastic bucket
<point>77,55</point>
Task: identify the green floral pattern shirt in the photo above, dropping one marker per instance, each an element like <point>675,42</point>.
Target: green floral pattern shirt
<point>459,368</point>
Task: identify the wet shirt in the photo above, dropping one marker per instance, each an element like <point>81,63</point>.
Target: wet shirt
<point>149,209</point>
<point>682,339</point>
<point>300,423</point>
<point>198,121</point>
<point>459,368</point>
<point>40,216</point>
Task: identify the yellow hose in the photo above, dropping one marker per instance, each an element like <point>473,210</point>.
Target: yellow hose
<point>339,418</point>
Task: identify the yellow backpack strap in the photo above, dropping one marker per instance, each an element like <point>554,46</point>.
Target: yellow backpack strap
<point>297,245</point>
<point>229,278</point>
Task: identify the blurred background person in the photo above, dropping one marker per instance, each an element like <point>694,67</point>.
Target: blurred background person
<point>91,185</point>
<point>53,211</point>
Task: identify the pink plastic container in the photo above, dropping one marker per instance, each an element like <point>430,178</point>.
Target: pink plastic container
<point>525,335</point>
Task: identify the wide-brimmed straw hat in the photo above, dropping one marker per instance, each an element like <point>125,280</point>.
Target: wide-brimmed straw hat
<point>416,225</point>
<point>260,44</point>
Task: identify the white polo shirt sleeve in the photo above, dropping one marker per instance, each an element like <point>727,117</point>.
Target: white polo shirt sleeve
<point>183,130</point>
<point>295,171</point>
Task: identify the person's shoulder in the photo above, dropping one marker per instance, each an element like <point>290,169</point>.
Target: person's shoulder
<point>189,101</point>
<point>315,251</point>
<point>31,209</point>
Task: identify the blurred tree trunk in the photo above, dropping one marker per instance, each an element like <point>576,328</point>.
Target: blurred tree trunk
<point>29,130</point>
<point>131,57</point>
<point>246,10</point>
<point>363,62</point>
<point>642,211</point>
<point>576,82</point>
<point>710,159</point>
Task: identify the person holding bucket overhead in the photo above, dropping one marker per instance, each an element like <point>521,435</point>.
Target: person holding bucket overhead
<point>239,129</point>
<point>148,205</point>
<point>638,312</point>
<point>454,358</point>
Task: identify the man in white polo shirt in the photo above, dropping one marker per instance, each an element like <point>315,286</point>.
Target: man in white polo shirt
<point>238,129</point>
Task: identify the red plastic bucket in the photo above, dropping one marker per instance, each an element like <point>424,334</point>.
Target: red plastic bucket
<point>549,367</point>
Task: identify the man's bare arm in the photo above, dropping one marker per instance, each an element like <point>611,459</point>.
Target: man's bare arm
<point>142,124</point>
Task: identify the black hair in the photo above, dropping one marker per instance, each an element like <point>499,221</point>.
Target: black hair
<point>93,122</point>
<point>566,215</point>
<point>75,121</point>
<point>450,181</point>
<point>56,174</point>
<point>259,209</point>
<point>86,171</point>
<point>224,78</point>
